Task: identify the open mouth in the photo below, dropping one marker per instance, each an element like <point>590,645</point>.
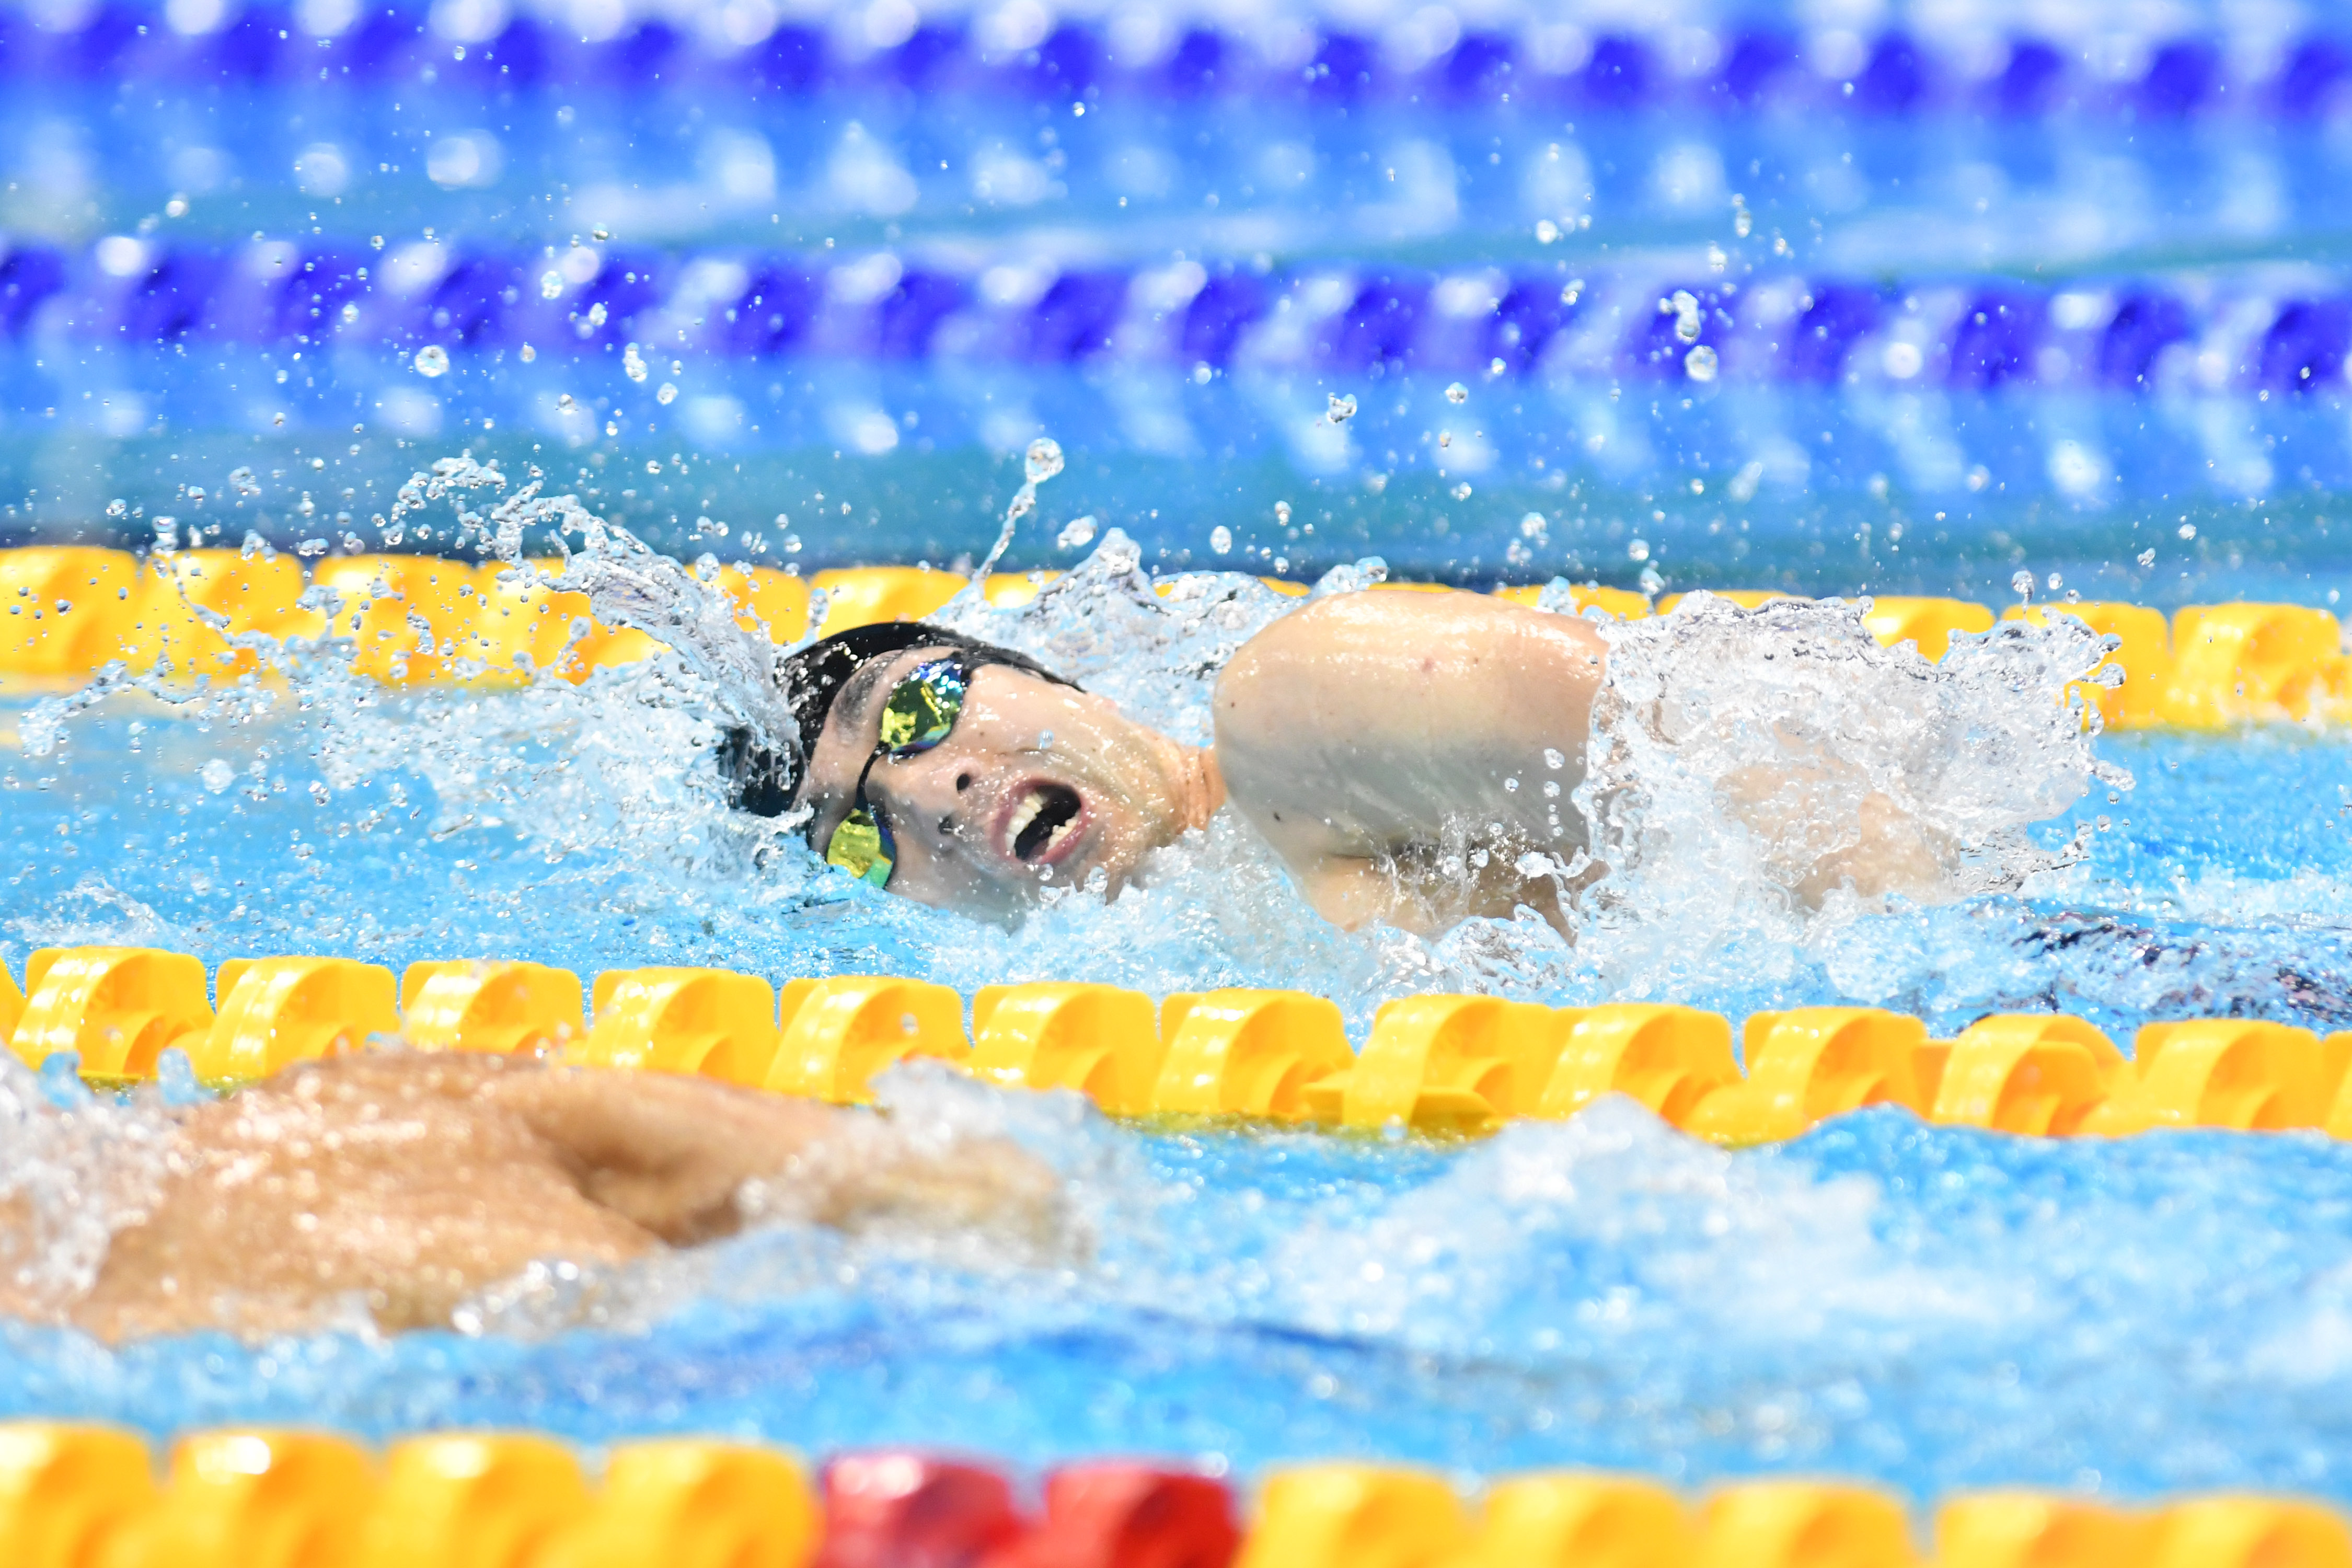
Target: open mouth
<point>1042,819</point>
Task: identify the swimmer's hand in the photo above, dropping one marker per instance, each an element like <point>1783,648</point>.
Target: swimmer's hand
<point>404,1182</point>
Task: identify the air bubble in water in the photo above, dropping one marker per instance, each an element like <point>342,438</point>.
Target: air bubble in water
<point>653,465</point>
<point>1457,392</point>
<point>633,364</point>
<point>1282,512</point>
<point>1044,460</point>
<point>666,394</point>
<point>217,774</point>
<point>551,284</point>
<point>1220,539</point>
<point>1342,409</point>
<point>2188,531</point>
<point>350,313</point>
<point>117,507</point>
<point>1700,363</point>
<point>2056,582</point>
<point>2021,584</point>
<point>2147,558</point>
<point>529,353</point>
<point>1077,535</point>
<point>1462,490</point>
<point>432,360</point>
<point>1554,758</point>
<point>565,402</point>
<point>1638,550</point>
<point>1651,584</point>
<point>244,482</point>
<point>599,235</point>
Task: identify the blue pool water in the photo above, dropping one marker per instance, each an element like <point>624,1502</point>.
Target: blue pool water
<point>2065,297</point>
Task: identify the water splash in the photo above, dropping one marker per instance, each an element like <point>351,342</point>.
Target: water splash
<point>1757,776</point>
<point>608,789</point>
<point>1040,463</point>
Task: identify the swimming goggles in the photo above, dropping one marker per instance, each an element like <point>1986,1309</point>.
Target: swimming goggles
<point>921,711</point>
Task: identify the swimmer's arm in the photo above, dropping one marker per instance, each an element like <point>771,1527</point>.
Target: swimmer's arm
<point>671,1154</point>
<point>1823,826</point>
<point>1400,705</point>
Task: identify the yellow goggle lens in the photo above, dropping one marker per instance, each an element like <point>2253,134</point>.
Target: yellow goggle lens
<point>860,848</point>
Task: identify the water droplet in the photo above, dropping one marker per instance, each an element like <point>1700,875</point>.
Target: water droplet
<point>432,360</point>
<point>2056,582</point>
<point>1687,324</point>
<point>1700,363</point>
<point>528,353</point>
<point>1077,535</point>
<point>633,365</point>
<point>1342,409</point>
<point>1044,460</point>
<point>551,284</point>
<point>666,395</point>
<point>1638,550</point>
<point>1457,392</point>
<point>1220,539</point>
<point>1650,583</point>
<point>2021,584</point>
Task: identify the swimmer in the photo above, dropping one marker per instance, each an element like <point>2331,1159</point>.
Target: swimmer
<point>1410,757</point>
<point>402,1184</point>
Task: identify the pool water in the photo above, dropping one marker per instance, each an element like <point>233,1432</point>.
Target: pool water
<point>1933,1306</point>
<point>1662,306</point>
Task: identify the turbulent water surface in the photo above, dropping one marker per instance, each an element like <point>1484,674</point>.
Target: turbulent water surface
<point>1931,1306</point>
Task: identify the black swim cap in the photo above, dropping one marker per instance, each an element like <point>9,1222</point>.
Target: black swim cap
<point>764,781</point>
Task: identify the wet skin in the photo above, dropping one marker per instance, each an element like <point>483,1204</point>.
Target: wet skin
<point>1371,736</point>
<point>398,1184</point>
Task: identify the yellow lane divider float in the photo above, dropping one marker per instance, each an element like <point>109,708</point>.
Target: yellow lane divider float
<point>67,610</point>
<point>76,1496</point>
<point>1434,1064</point>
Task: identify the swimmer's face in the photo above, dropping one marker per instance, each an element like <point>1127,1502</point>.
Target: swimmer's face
<point>1035,787</point>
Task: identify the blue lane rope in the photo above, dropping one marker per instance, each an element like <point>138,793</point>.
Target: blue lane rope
<point>1737,67</point>
<point>2128,333</point>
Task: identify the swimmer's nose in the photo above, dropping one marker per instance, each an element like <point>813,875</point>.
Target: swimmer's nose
<point>925,788</point>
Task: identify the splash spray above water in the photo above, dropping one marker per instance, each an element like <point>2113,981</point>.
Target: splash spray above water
<point>1042,462</point>
<point>1698,883</point>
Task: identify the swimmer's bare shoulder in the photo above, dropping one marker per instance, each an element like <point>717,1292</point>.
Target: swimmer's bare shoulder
<point>1355,726</point>
<point>404,1182</point>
